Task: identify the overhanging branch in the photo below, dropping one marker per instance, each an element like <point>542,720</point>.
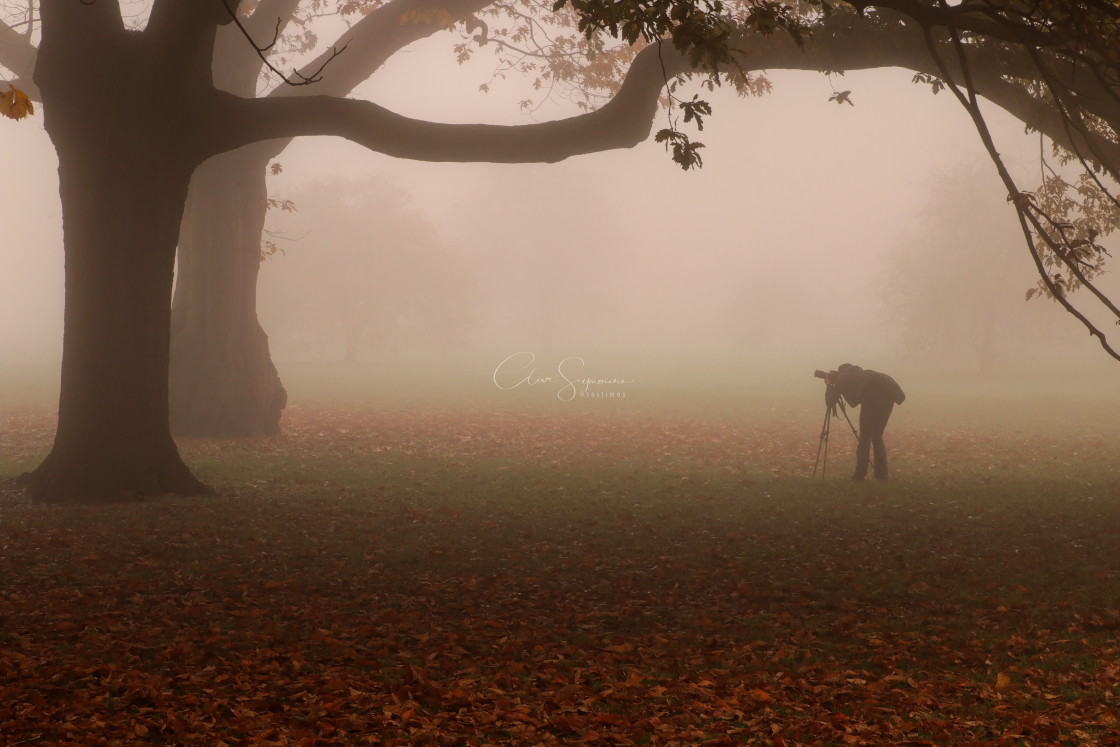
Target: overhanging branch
<point>623,122</point>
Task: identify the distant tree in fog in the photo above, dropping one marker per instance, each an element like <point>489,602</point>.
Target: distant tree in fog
<point>553,263</point>
<point>955,285</point>
<point>755,322</point>
<point>365,276</point>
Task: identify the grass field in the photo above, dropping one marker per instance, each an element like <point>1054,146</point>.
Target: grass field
<point>466,567</point>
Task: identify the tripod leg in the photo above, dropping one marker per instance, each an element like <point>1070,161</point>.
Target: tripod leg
<point>823,444</point>
<point>824,464</point>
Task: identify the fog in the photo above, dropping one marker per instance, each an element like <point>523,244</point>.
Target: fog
<point>804,241</point>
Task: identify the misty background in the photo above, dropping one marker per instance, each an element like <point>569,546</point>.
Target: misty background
<point>816,233</point>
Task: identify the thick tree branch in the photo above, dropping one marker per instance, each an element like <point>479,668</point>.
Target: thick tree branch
<point>377,37</point>
<point>1043,117</point>
<point>966,17</point>
<point>369,43</point>
<point>1079,83</point>
<point>1080,67</point>
<point>623,122</point>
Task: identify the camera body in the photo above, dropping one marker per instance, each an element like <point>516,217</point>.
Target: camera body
<point>826,375</point>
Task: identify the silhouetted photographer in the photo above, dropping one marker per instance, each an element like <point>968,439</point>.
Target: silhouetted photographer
<point>875,394</point>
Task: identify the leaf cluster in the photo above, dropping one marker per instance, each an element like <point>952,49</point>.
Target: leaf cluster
<point>685,151</point>
<point>1073,219</point>
<point>270,248</point>
<point>700,29</point>
<point>936,85</point>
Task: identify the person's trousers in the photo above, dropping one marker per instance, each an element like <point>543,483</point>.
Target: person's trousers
<point>873,417</point>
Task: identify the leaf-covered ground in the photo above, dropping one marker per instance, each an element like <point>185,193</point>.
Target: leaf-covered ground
<point>473,577</point>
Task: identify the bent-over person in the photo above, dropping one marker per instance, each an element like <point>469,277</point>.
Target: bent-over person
<point>875,394</point>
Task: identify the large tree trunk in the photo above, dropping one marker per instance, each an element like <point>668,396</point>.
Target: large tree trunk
<point>223,382</point>
<point>125,159</point>
<point>121,217</point>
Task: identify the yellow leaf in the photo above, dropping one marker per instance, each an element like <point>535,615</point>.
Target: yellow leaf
<point>1003,682</point>
<point>14,104</point>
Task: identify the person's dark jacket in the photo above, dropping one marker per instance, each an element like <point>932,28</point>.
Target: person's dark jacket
<point>858,385</point>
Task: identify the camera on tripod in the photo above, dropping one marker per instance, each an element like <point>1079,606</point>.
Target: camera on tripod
<point>829,378</point>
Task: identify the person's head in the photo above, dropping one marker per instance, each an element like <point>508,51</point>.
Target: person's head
<point>844,367</point>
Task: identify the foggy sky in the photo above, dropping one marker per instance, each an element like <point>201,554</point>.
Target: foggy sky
<point>789,224</point>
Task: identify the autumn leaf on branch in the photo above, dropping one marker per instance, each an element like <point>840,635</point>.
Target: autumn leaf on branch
<point>696,110</point>
<point>14,104</point>
<point>269,248</point>
<point>936,84</point>
<point>685,151</point>
<point>288,206</point>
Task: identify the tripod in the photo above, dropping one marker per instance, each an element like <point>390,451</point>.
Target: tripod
<point>829,413</point>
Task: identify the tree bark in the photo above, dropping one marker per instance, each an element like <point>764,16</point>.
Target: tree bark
<point>222,381</point>
<point>113,441</point>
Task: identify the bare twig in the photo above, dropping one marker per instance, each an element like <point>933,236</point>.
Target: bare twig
<point>304,80</point>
